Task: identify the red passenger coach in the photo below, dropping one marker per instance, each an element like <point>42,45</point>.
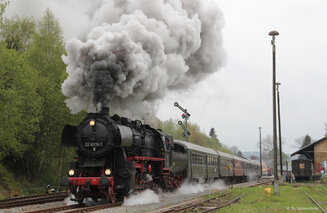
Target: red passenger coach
<point>238,167</point>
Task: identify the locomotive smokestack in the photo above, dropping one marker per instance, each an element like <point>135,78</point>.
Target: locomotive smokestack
<point>105,110</point>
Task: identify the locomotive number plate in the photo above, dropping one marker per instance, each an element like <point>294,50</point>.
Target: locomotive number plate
<point>93,144</point>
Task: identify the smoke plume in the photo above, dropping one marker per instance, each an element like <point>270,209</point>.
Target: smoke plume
<point>134,52</point>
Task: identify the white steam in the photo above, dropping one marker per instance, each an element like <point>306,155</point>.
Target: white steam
<point>149,196</point>
<point>137,51</point>
<point>145,197</point>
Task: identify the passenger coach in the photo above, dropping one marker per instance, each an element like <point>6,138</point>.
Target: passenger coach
<point>205,164</point>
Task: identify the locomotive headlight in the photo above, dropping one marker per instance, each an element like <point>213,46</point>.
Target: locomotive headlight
<point>92,122</point>
<point>71,172</point>
<point>107,172</point>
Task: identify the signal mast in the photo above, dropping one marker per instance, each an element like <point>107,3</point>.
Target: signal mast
<point>185,116</point>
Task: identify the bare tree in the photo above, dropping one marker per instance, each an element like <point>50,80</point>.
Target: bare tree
<point>253,157</point>
<point>267,151</point>
<point>302,141</point>
<point>234,149</point>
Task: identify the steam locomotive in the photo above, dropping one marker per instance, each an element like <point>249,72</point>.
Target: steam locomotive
<point>118,156</point>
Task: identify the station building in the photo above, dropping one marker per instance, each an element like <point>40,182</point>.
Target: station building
<point>317,152</point>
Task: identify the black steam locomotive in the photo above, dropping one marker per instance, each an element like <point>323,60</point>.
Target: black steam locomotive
<point>117,156</point>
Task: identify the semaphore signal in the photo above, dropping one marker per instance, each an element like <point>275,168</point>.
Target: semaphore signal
<point>185,116</point>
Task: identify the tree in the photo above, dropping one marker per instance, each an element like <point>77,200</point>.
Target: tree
<point>302,141</point>
<point>17,32</point>
<point>3,5</point>
<point>212,132</point>
<point>214,141</point>
<point>197,136</point>
<point>267,151</point>
<point>19,105</point>
<point>268,154</point>
<point>234,149</point>
<point>44,54</point>
<point>253,157</point>
<point>239,154</point>
<point>306,141</point>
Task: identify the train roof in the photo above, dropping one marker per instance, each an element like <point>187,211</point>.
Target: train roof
<point>254,162</point>
<point>191,146</point>
<point>223,154</point>
<point>240,158</point>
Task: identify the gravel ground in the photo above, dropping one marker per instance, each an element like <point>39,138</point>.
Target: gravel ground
<point>32,207</point>
<point>146,201</point>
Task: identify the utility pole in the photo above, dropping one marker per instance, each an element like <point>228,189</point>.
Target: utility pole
<point>185,116</point>
<point>276,183</point>
<point>280,135</point>
<point>260,152</point>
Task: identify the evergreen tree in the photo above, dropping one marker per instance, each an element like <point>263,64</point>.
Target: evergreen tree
<point>306,141</point>
<point>212,132</point>
<point>214,141</point>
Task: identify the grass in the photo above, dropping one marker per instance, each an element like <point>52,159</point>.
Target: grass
<point>8,184</point>
<point>290,199</point>
<point>14,185</point>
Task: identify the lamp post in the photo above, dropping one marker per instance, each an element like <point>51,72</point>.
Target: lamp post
<point>260,152</point>
<point>280,133</point>
<point>276,184</point>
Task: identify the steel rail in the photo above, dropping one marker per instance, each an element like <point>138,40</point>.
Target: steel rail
<point>76,208</point>
<point>194,205</point>
<point>315,202</point>
<point>94,208</point>
<point>30,197</point>
<point>56,209</point>
<point>33,200</point>
<point>226,204</point>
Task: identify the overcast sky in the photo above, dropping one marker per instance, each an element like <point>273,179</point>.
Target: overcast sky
<point>238,99</point>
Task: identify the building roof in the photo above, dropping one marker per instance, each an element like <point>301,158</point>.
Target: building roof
<point>309,149</point>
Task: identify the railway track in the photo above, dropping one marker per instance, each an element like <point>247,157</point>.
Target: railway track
<point>77,208</point>
<point>212,204</point>
<point>30,200</point>
<point>315,202</point>
<point>209,205</point>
